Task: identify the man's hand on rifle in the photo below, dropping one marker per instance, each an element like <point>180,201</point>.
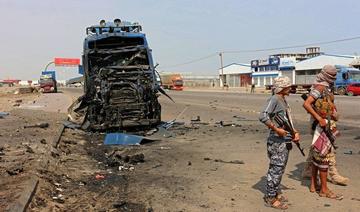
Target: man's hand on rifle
<point>322,122</point>
<point>296,137</point>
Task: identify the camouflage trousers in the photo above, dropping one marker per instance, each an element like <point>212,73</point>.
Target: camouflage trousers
<point>331,157</point>
<point>278,154</point>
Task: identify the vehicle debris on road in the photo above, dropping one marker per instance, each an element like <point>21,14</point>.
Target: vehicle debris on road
<point>4,114</point>
<point>99,176</point>
<point>38,125</point>
<point>124,139</point>
<point>222,161</point>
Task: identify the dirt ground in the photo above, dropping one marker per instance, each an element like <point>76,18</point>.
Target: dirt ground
<point>24,149</point>
<point>194,166</point>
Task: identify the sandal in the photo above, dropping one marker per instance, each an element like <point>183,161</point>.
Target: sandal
<point>282,198</point>
<point>275,203</point>
<point>331,195</point>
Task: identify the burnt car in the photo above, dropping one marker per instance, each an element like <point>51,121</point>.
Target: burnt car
<point>120,86</point>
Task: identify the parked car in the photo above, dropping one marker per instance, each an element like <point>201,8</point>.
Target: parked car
<point>353,89</point>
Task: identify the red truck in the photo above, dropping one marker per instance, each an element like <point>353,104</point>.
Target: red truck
<point>172,81</point>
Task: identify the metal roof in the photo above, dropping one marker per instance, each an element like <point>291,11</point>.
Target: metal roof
<point>236,68</point>
<point>320,61</point>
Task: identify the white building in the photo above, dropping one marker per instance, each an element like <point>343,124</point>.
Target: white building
<point>235,75</point>
<point>282,64</point>
<point>264,71</point>
<point>307,70</point>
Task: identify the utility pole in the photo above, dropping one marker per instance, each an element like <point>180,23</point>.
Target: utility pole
<point>222,70</point>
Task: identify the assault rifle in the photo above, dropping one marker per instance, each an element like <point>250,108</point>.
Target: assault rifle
<point>326,129</point>
<point>282,121</point>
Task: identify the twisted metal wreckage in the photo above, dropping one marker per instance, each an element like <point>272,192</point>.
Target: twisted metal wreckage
<point>121,89</point>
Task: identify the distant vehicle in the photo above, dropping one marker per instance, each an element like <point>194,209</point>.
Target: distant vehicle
<point>172,81</point>
<point>353,89</point>
<point>345,77</point>
<point>35,83</point>
<point>9,82</point>
<point>47,84</point>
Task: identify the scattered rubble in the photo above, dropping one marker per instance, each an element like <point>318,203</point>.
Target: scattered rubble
<point>99,176</point>
<point>59,199</point>
<point>197,119</point>
<point>15,169</point>
<point>348,152</point>
<point>222,161</point>
<point>29,149</point>
<point>356,199</point>
<point>119,158</point>
<point>25,90</point>
<point>38,125</point>
<point>163,132</point>
<point>3,114</point>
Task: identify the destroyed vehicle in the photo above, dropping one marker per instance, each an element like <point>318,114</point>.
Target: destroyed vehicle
<point>120,86</point>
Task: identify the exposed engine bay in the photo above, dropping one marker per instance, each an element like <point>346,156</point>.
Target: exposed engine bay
<point>120,84</point>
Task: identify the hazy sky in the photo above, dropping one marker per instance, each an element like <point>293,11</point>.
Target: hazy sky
<point>36,31</point>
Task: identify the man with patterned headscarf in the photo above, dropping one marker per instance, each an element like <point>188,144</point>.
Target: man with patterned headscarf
<point>320,105</point>
<point>321,89</point>
<point>278,141</point>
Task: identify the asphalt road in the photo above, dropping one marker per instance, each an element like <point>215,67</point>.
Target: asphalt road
<point>252,104</point>
<point>249,104</point>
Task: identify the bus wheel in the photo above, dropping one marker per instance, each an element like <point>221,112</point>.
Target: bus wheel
<point>341,91</point>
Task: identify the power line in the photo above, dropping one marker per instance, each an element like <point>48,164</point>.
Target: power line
<point>295,46</point>
<point>261,50</point>
<point>191,61</point>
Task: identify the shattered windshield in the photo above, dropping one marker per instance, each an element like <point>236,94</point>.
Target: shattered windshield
<point>45,81</point>
<point>354,76</point>
<point>127,58</point>
<point>178,82</point>
<point>116,42</point>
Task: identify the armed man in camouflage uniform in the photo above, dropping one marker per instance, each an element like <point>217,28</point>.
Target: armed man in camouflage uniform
<point>278,142</point>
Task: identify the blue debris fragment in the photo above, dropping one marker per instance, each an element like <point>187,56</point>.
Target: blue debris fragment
<point>164,133</point>
<point>3,114</point>
<point>122,139</point>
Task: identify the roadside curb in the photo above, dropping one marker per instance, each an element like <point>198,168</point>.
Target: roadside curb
<point>23,202</point>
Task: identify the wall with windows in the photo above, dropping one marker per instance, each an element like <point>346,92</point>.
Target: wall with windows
<point>263,80</point>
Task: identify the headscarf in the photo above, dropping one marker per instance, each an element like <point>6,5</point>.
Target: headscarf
<point>327,76</point>
<point>280,83</point>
